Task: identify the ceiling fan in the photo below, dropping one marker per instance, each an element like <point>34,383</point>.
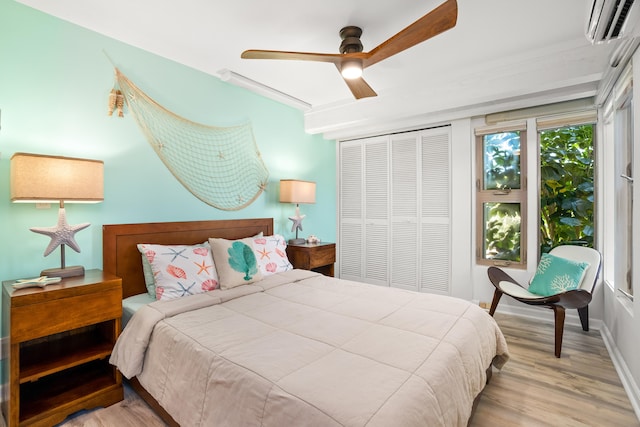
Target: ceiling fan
<point>352,60</point>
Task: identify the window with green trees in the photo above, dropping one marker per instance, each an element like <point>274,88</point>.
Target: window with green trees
<point>566,186</point>
<point>501,197</point>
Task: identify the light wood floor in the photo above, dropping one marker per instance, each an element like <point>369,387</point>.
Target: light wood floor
<point>533,389</point>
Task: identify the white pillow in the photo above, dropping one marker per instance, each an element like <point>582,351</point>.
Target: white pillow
<point>271,254</point>
<point>181,270</point>
<point>235,262</point>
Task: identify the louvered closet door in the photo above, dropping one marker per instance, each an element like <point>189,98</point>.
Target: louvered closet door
<point>404,210</point>
<point>394,210</point>
<point>351,211</point>
<point>376,212</point>
<point>435,218</point>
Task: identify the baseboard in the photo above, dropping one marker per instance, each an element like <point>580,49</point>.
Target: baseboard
<point>628,382</point>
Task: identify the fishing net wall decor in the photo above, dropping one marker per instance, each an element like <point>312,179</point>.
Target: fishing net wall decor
<point>221,166</point>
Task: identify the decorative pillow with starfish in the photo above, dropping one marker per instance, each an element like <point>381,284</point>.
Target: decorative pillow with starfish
<point>181,270</point>
<point>271,254</point>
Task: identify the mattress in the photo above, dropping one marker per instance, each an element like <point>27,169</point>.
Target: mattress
<point>132,304</point>
<point>301,348</point>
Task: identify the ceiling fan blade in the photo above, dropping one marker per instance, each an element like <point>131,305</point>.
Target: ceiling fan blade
<point>359,88</point>
<point>439,20</point>
<point>334,58</point>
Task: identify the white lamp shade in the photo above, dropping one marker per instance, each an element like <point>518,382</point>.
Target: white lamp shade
<point>295,191</point>
<point>351,69</point>
<point>48,179</point>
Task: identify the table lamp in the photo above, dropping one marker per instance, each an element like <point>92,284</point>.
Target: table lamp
<point>296,191</point>
<point>37,178</point>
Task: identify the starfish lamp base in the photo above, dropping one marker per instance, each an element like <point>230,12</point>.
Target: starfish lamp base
<point>62,235</point>
<point>297,225</point>
<point>73,271</point>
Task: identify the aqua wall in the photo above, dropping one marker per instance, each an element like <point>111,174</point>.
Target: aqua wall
<point>54,84</point>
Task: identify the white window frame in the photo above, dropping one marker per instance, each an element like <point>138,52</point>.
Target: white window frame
<point>618,133</point>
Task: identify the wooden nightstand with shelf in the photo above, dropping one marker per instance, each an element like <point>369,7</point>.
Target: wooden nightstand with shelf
<point>318,257</point>
<point>60,339</point>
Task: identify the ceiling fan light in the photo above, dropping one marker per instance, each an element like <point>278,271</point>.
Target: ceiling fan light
<point>351,69</point>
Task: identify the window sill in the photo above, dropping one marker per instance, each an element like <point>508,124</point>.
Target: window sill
<point>626,302</point>
<point>622,298</point>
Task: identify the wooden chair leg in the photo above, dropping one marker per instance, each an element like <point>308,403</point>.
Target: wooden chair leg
<point>494,304</point>
<point>584,317</point>
<point>559,321</point>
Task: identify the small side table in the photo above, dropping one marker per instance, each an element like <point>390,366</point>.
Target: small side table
<point>60,341</point>
<point>318,257</point>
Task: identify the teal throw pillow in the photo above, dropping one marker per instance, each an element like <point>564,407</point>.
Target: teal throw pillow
<point>235,261</point>
<point>556,275</point>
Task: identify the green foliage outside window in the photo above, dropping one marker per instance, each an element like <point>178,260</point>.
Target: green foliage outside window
<point>566,191</point>
<point>502,232</point>
<point>502,161</point>
<point>502,173</point>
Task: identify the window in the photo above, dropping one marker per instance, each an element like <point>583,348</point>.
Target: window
<point>623,228</point>
<point>501,196</point>
<point>566,186</point>
<point>618,179</point>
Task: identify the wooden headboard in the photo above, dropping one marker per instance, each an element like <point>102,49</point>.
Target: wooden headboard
<point>120,255</point>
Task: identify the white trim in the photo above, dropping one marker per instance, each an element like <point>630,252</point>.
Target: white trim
<point>231,77</point>
<point>618,61</point>
<point>628,382</point>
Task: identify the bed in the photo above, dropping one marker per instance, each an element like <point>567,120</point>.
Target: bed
<point>297,347</point>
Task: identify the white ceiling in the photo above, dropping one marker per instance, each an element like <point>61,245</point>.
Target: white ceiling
<point>501,54</point>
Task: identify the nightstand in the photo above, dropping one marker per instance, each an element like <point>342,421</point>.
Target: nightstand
<point>60,339</point>
<point>318,257</point>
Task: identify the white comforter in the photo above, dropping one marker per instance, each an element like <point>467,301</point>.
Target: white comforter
<point>298,348</point>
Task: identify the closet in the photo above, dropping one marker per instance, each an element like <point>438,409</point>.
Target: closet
<point>394,210</point>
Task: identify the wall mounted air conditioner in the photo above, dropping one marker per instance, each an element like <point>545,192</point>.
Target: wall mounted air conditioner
<point>612,19</point>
